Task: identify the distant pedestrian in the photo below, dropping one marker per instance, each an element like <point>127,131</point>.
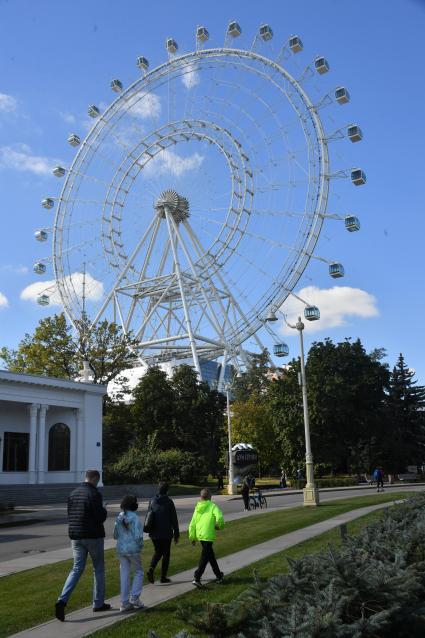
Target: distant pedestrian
<point>206,518</point>
<point>128,532</point>
<point>86,515</point>
<point>283,479</point>
<point>378,475</point>
<point>245,493</point>
<point>220,482</point>
<point>300,474</point>
<point>165,528</point>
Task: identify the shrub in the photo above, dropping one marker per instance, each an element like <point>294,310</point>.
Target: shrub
<point>373,585</point>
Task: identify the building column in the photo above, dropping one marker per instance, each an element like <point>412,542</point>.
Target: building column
<point>80,447</point>
<point>32,473</point>
<point>42,444</point>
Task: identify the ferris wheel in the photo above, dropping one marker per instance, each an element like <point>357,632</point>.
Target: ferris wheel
<point>195,202</point>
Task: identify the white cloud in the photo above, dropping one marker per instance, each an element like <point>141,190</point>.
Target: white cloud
<point>8,104</point>
<point>67,117</point>
<point>190,78</point>
<point>170,162</point>
<point>336,306</point>
<point>148,106</point>
<point>19,157</point>
<point>3,301</point>
<point>94,289</point>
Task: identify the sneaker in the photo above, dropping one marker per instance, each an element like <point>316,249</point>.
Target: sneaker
<point>127,607</point>
<point>137,604</point>
<point>220,578</point>
<point>60,610</point>
<point>104,607</point>
<point>149,575</point>
<point>197,583</point>
<point>164,579</point>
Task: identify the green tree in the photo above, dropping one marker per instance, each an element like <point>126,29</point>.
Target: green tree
<point>152,410</point>
<point>403,442</point>
<point>256,379</point>
<point>252,423</point>
<point>56,350</point>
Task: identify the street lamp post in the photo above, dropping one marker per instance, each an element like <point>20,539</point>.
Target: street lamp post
<point>311,493</point>
<point>231,487</point>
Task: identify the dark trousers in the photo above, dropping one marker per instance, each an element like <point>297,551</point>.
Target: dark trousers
<point>207,556</point>
<point>245,496</point>
<point>380,483</point>
<point>162,550</point>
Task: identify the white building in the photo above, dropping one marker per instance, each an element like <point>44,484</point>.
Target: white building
<point>50,429</point>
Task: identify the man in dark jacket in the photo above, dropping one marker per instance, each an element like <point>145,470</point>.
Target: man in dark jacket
<point>165,527</point>
<point>86,516</point>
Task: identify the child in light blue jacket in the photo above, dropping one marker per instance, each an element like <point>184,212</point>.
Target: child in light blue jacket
<point>128,532</point>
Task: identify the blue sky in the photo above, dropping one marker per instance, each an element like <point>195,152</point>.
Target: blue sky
<point>56,58</point>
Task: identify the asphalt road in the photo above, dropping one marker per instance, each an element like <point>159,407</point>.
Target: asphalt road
<point>51,533</point>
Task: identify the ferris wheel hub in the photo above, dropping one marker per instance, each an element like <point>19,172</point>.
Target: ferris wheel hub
<point>177,205</point>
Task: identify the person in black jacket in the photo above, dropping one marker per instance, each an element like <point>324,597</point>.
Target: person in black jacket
<point>165,527</point>
<point>86,516</point>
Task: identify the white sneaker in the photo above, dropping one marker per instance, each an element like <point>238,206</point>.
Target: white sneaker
<point>127,607</point>
<point>137,604</point>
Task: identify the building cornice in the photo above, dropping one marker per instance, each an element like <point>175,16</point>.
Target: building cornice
<point>51,382</point>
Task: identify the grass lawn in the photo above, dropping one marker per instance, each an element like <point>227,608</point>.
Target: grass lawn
<point>27,598</point>
<point>164,619</point>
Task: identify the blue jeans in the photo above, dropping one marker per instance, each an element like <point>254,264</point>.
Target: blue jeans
<point>80,549</point>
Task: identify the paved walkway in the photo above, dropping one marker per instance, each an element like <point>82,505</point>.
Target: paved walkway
<point>84,622</point>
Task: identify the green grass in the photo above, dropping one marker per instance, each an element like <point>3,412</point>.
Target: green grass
<point>164,618</point>
<point>27,598</point>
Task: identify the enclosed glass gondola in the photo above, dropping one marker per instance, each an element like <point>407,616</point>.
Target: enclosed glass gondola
<point>39,268</point>
<point>116,86</point>
<point>342,96</point>
<point>354,133</point>
<point>171,45</point>
<point>93,111</point>
<point>43,300</point>
<point>234,29</point>
<point>59,171</point>
<point>266,32</point>
<point>336,270</point>
<point>321,65</point>
<point>142,63</point>
<point>358,177</point>
<point>280,350</point>
<point>40,235</point>
<point>202,34</point>
<point>311,313</point>
<point>352,223</point>
<point>47,202</point>
<point>74,140</point>
<point>295,44</point>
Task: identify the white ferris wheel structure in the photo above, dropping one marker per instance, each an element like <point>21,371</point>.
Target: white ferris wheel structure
<point>195,202</point>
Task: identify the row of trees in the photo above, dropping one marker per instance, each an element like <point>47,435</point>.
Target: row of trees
<point>361,412</point>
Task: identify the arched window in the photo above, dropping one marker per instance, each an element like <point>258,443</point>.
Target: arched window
<point>59,447</point>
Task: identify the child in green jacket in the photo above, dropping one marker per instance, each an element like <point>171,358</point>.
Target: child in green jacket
<point>206,518</point>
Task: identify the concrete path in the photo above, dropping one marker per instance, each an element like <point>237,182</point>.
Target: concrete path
<point>84,622</point>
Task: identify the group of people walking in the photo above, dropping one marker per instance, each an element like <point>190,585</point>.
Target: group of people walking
<point>86,516</point>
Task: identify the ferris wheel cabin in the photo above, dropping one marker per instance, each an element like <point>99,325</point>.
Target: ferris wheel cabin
<point>311,313</point>
<point>40,235</point>
<point>59,171</point>
<point>358,177</point>
<point>93,111</point>
<point>354,133</point>
<point>234,29</point>
<point>116,86</point>
<point>142,63</point>
<point>74,140</point>
<point>295,44</point>
<point>43,300</point>
<point>280,350</point>
<point>342,96</point>
<point>202,34</point>
<point>352,223</point>
<point>321,65</point>
<point>171,45</point>
<point>336,270</point>
<point>39,268</point>
<point>265,32</point>
<point>47,202</point>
